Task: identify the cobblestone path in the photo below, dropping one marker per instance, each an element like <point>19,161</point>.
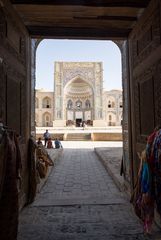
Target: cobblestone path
<point>79,202</point>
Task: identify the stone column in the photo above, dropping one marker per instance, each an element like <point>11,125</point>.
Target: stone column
<point>117,110</point>
<point>58,88</point>
<point>98,95</point>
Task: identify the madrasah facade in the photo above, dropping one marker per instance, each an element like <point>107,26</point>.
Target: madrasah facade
<point>78,98</point>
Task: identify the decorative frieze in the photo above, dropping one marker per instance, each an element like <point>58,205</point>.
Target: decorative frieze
<point>84,73</point>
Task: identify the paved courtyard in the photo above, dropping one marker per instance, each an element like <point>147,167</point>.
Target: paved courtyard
<point>80,201</point>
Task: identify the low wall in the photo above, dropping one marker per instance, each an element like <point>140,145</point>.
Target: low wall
<point>106,136</point>
<point>97,134</point>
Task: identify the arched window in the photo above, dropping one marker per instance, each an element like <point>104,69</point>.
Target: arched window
<point>37,103</point>
<point>36,120</point>
<point>47,119</point>
<point>78,104</point>
<point>88,104</point>
<point>46,102</point>
<point>59,114</point>
<point>120,104</point>
<point>69,104</point>
<point>109,104</point>
<point>113,104</point>
<point>110,120</point>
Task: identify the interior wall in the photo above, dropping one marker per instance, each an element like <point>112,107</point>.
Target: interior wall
<point>15,83</point>
<point>126,127</point>
<point>145,78</point>
<point>34,44</point>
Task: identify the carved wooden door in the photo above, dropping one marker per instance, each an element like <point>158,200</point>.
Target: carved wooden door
<point>145,78</point>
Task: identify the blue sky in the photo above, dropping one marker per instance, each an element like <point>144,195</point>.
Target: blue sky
<point>50,51</point>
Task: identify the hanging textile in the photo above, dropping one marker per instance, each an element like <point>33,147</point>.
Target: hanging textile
<point>10,155</point>
<point>142,197</point>
<point>156,155</point>
<point>33,178</point>
<point>38,161</point>
<point>2,160</point>
<point>147,192</point>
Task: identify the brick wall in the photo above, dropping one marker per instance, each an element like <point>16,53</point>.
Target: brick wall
<point>15,82</point>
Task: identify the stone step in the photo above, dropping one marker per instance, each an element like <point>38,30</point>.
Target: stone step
<point>78,137</point>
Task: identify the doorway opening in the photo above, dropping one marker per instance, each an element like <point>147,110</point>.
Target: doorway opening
<point>78,122</point>
<point>87,91</point>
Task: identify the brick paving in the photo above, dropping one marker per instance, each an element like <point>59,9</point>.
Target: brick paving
<point>80,201</point>
<point>111,159</point>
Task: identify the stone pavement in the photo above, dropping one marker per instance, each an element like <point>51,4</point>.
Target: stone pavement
<point>80,201</point>
<point>111,159</point>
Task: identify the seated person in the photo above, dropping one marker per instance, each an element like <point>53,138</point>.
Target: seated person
<point>39,142</point>
<point>58,144</point>
<point>49,143</point>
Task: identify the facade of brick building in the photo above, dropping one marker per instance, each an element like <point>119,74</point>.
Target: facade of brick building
<point>79,98</point>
